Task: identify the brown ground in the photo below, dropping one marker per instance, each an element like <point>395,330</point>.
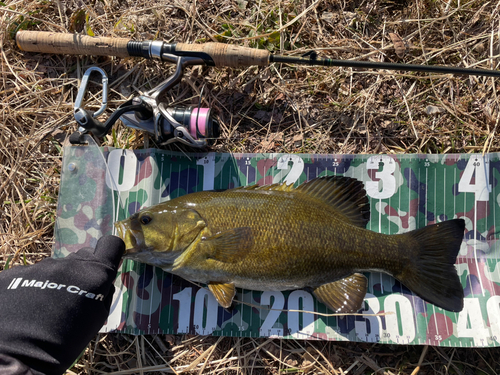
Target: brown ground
<point>273,109</point>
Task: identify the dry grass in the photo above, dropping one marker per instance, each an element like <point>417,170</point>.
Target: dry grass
<point>214,355</point>
<point>272,109</point>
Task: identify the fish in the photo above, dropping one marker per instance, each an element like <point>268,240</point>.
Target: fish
<point>277,237</point>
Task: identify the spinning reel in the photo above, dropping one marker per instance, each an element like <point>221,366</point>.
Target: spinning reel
<point>193,126</point>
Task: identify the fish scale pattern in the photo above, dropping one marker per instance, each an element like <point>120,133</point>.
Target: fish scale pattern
<point>297,241</point>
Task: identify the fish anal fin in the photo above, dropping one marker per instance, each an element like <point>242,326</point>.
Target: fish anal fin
<point>346,195</point>
<point>223,293</point>
<point>230,246</point>
<point>345,295</point>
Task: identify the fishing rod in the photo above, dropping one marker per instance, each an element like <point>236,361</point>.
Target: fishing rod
<point>191,126</point>
<point>211,54</point>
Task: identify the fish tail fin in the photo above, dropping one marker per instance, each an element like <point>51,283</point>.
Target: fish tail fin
<point>431,273</point>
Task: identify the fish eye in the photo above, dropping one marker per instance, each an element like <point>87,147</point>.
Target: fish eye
<point>145,219</point>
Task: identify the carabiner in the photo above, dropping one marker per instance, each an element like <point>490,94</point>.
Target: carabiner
<point>83,89</point>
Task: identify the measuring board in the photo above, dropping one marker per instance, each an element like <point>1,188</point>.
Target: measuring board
<point>100,186</point>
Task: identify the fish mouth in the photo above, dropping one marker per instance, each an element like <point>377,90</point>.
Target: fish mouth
<point>134,239</point>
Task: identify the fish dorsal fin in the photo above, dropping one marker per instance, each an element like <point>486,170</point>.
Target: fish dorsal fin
<point>345,194</point>
<point>249,187</point>
<point>275,187</point>
<point>345,295</point>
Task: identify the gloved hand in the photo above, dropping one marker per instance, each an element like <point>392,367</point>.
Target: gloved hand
<point>50,311</point>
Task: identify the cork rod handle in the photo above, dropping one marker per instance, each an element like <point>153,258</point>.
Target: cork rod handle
<point>73,44</point>
<point>227,54</point>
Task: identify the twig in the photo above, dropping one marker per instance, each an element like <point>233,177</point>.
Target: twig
<point>422,356</point>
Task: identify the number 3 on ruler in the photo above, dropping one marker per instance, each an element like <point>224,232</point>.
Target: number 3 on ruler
<point>479,168</point>
<point>386,176</point>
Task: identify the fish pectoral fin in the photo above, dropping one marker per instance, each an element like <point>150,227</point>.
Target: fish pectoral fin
<point>345,295</point>
<point>223,293</point>
<point>230,246</point>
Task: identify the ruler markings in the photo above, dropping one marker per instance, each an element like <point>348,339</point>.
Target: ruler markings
<point>489,220</point>
<point>230,180</point>
<point>163,277</point>
<point>495,202</point>
<point>413,296</point>
<point>491,198</point>
<point>137,207</point>
<point>243,306</point>
<point>476,230</point>
<point>418,199</point>
<point>445,217</point>
<point>444,195</point>
<point>455,195</point>
<point>435,196</point>
<point>454,211</point>
<point>161,180</point>
<point>152,286</point>
<point>379,227</point>
<point>468,260</point>
<point>154,280</point>
<point>426,222</point>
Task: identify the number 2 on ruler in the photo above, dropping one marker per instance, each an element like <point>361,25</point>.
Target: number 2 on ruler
<point>479,169</point>
<point>295,171</point>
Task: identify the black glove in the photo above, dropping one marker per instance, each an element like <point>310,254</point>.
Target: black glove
<point>50,311</point>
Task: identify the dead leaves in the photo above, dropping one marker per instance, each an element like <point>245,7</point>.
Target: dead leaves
<point>399,45</point>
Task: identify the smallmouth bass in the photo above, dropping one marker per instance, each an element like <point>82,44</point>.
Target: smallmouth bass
<point>277,237</point>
